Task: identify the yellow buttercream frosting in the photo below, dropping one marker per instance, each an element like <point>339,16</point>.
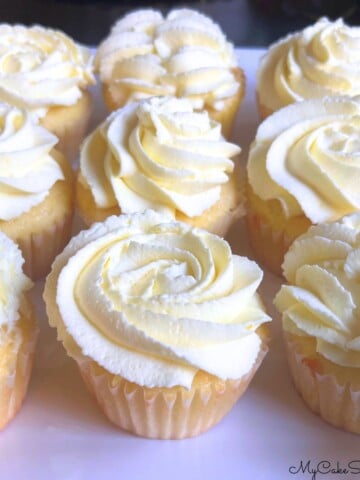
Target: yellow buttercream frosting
<point>27,168</point>
<point>157,154</point>
<point>307,157</point>
<point>13,283</point>
<point>322,299</point>
<point>154,301</point>
<point>321,60</point>
<point>184,54</point>
<point>41,68</point>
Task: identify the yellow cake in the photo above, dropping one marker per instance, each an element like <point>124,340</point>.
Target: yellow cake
<point>47,73</point>
<point>320,308</point>
<point>160,154</point>
<point>69,124</point>
<point>162,319</point>
<point>302,170</point>
<point>321,60</point>
<point>183,54</point>
<point>36,190</point>
<point>18,331</point>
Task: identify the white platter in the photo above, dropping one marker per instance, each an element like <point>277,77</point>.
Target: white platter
<point>60,434</point>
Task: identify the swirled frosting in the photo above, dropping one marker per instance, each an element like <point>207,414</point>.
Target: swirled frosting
<point>41,68</point>
<point>154,301</point>
<point>158,154</point>
<point>323,298</point>
<point>185,54</point>
<point>322,60</point>
<point>27,168</point>
<point>307,156</point>
<point>13,282</point>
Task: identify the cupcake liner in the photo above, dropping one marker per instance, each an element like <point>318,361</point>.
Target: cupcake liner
<point>269,245</point>
<point>324,393</point>
<point>164,413</point>
<point>270,232</point>
<point>14,380</point>
<point>40,249</point>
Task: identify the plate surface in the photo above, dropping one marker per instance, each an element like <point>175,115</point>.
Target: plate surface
<point>60,434</point>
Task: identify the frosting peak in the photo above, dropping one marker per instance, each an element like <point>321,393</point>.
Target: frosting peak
<point>27,168</point>
<point>185,54</point>
<point>40,68</point>
<point>307,156</point>
<point>157,154</point>
<point>323,298</point>
<point>321,60</point>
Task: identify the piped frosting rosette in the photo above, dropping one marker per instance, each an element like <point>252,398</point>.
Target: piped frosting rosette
<point>27,168</point>
<point>321,60</point>
<point>184,54</point>
<point>307,156</point>
<point>323,296</point>
<point>154,301</point>
<point>157,154</point>
<point>40,68</point>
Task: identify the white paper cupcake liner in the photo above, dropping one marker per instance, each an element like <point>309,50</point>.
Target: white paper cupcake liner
<point>336,402</point>
<point>165,413</point>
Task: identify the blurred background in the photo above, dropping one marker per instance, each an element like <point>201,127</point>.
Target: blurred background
<point>245,22</point>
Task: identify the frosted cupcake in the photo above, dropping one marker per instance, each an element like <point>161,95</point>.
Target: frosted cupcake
<point>303,169</point>
<point>162,319</point>
<point>160,154</point>
<point>184,54</point>
<point>36,191</point>
<point>321,60</point>
<point>18,331</point>
<point>47,73</point>
<point>320,308</point>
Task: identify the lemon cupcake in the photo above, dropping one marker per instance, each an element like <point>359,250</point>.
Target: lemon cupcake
<point>162,319</point>
<point>303,169</point>
<point>320,308</point>
<point>183,54</point>
<point>18,331</point>
<point>47,73</point>
<point>321,60</point>
<point>36,190</point>
<point>160,154</point>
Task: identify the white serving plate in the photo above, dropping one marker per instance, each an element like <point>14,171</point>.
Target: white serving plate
<point>60,434</point>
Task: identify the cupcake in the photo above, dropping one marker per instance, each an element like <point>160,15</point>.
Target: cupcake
<point>160,154</point>
<point>321,60</point>
<point>36,191</point>
<point>184,54</point>
<point>162,319</point>
<point>47,73</point>
<point>320,308</point>
<point>18,331</point>
<point>303,169</point>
